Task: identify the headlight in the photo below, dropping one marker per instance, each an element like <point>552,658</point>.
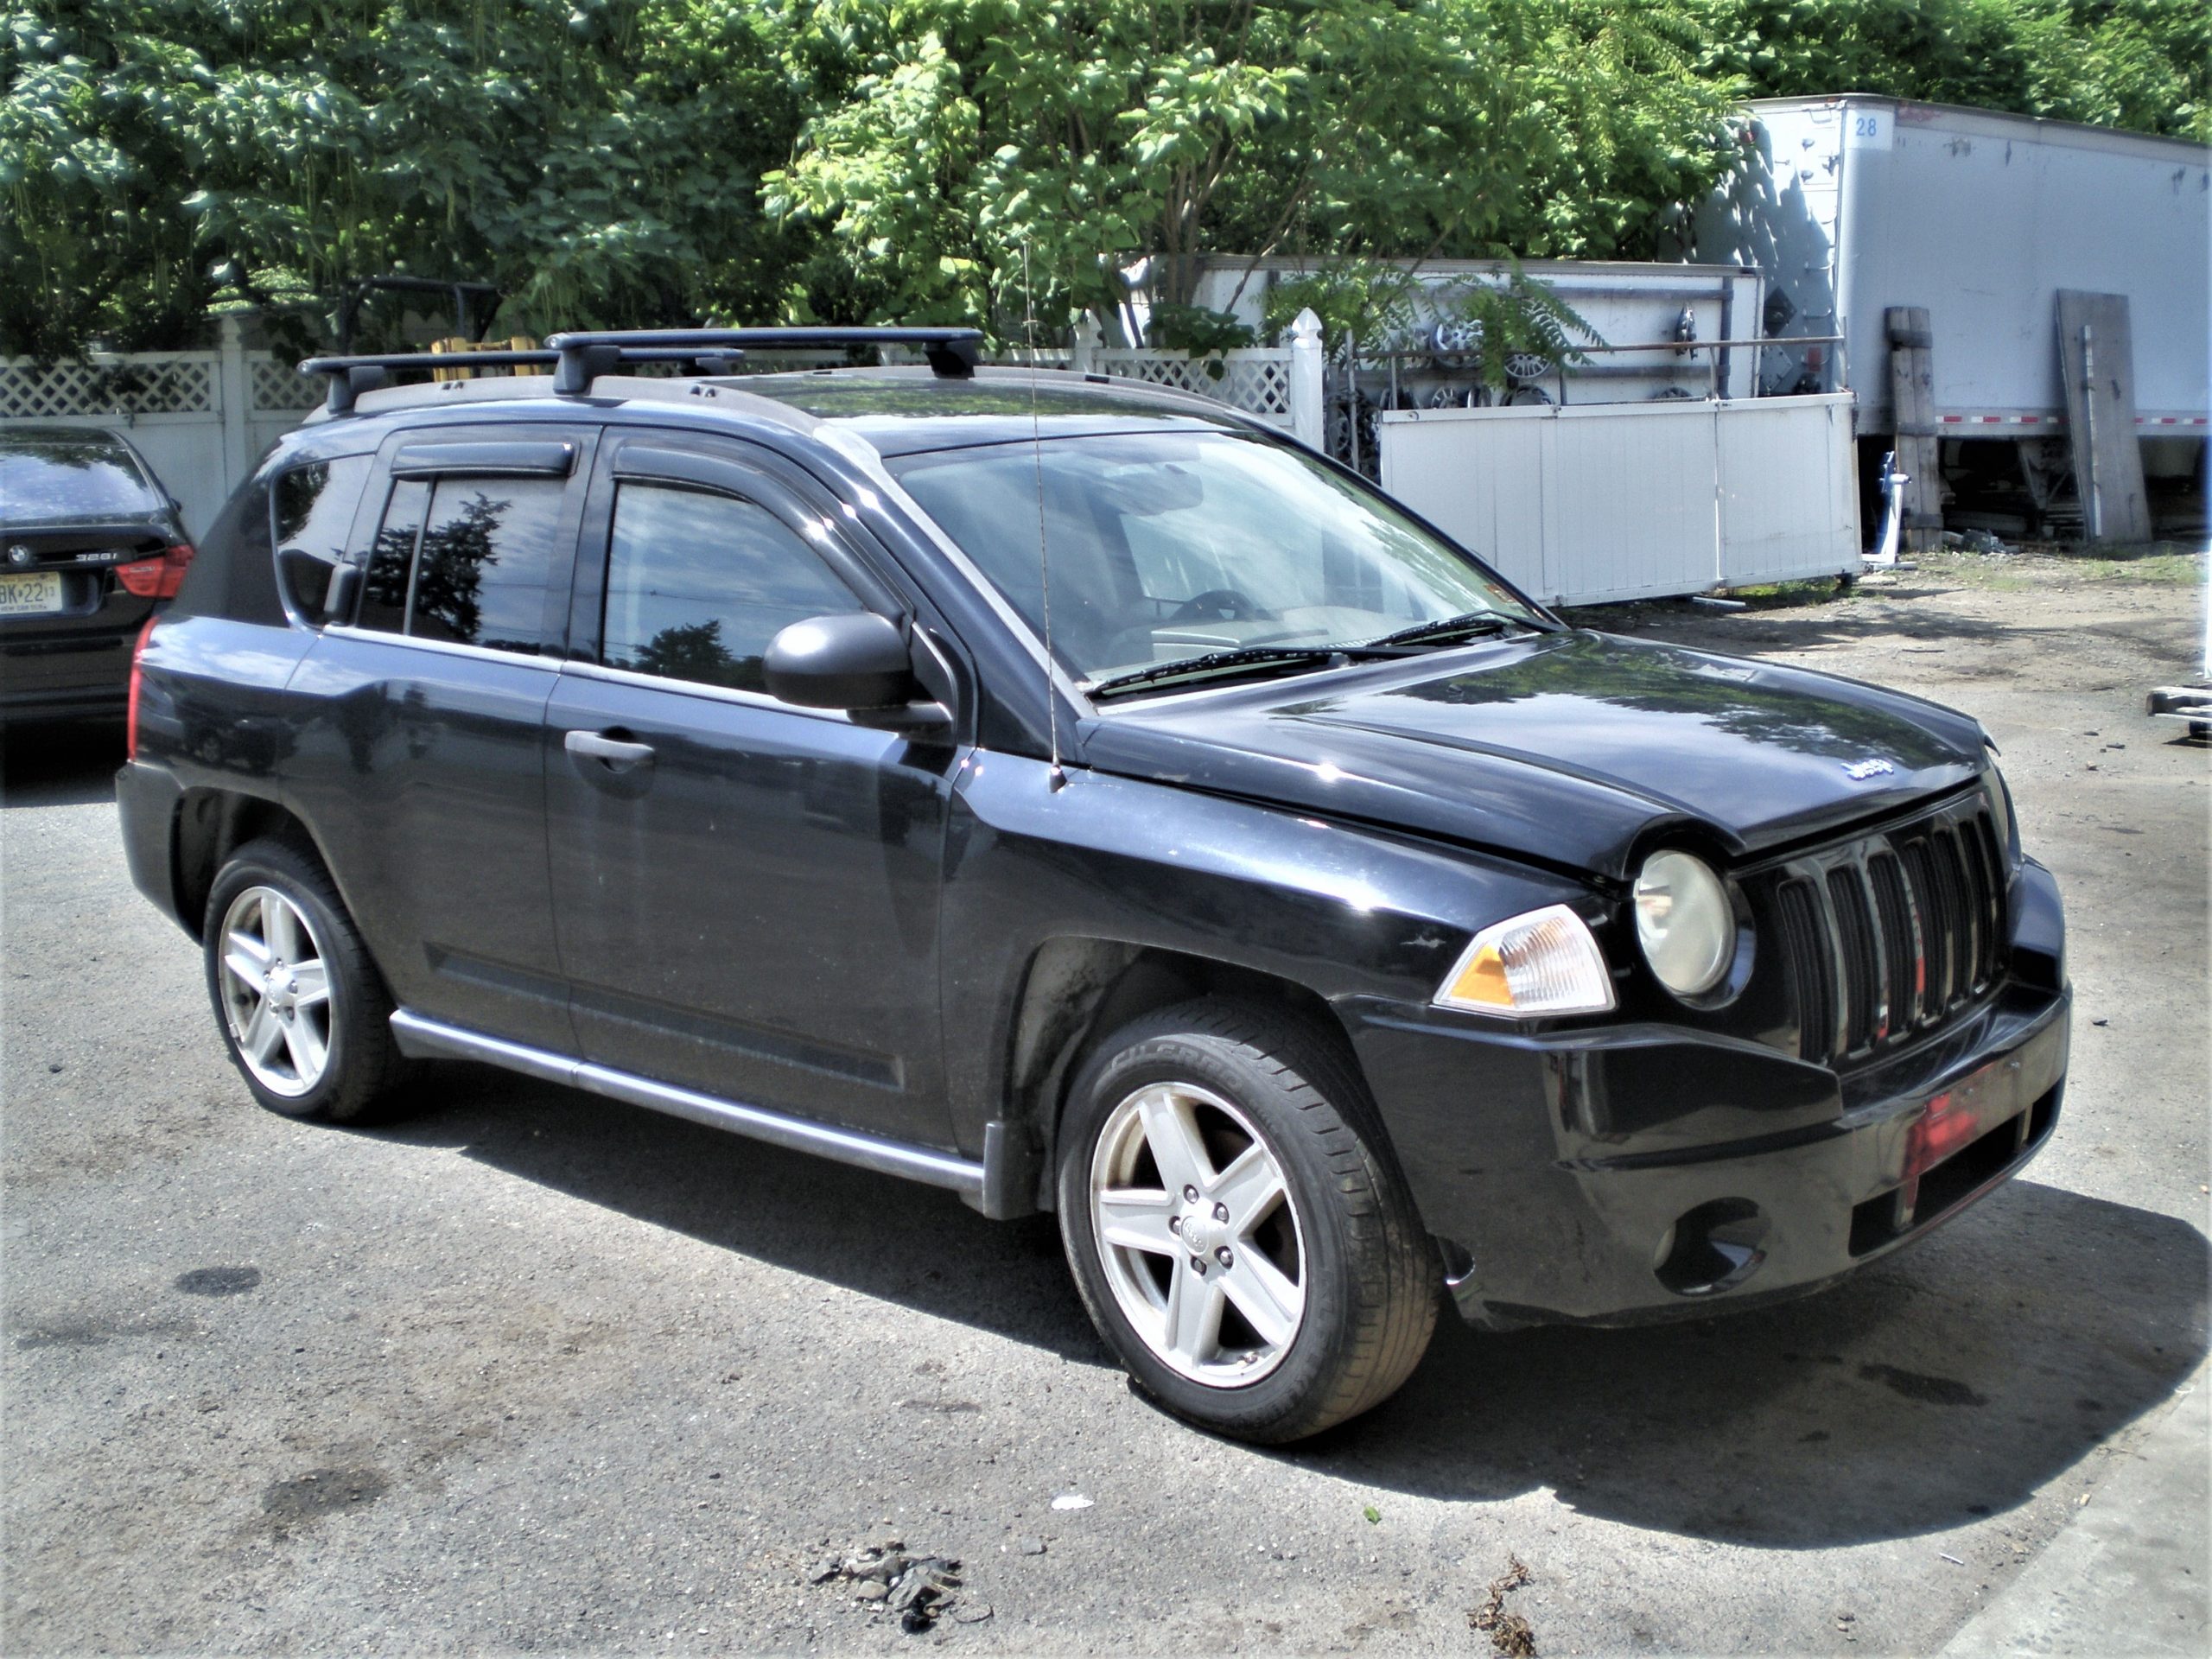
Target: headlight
<point>1544,963</point>
<point>1685,924</point>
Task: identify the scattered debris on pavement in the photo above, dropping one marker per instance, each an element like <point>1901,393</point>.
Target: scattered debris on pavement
<point>1071,1501</point>
<point>1509,1632</point>
<point>920,1589</point>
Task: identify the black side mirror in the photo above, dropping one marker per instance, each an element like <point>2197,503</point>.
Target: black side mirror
<point>860,663</point>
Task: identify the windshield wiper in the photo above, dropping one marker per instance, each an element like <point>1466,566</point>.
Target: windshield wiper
<point>1243,656</point>
<point>1466,624</point>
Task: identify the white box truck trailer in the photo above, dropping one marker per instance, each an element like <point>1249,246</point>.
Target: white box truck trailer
<point>1854,204</point>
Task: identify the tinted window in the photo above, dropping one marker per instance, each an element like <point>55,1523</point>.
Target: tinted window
<point>392,558</point>
<point>67,477</point>
<point>315,511</point>
<point>697,585</point>
<point>465,559</point>
<point>487,550</point>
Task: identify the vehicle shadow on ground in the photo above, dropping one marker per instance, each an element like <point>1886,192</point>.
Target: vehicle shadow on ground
<point>1951,1383</point>
<point>60,765</point>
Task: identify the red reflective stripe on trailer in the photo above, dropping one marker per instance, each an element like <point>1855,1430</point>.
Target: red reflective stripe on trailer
<point>1953,420</point>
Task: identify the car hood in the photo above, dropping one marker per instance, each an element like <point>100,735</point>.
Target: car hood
<point>1567,749</point>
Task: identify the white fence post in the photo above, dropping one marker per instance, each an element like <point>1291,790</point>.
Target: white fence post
<point>232,400</point>
<point>1306,378</point>
<point>1087,336</point>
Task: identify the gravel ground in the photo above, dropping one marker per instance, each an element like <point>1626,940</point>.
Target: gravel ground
<point>533,1370</point>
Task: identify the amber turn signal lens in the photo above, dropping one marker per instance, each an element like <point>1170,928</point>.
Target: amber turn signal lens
<point>1543,963</point>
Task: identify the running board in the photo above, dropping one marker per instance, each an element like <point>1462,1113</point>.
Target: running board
<point>431,1039</point>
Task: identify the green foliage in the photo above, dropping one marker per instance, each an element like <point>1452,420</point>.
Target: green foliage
<point>965,161</point>
<point>1523,317</point>
<point>2140,64</point>
<point>161,157</point>
<point>1194,329</point>
<point>1364,299</point>
<point>958,135</point>
<point>1375,302</point>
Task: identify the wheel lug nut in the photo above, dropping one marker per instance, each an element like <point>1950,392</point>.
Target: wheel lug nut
<point>1221,1255</point>
<point>1198,1265</point>
<point>1189,1195</point>
<point>1221,1212</point>
<point>1174,1224</point>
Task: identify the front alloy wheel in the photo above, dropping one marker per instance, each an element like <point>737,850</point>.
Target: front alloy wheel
<point>1199,1234</point>
<point>1234,1224</point>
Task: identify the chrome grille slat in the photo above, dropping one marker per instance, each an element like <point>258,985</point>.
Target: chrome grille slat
<point>1891,934</point>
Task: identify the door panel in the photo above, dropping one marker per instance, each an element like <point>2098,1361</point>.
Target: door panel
<point>423,765</point>
<point>751,908</point>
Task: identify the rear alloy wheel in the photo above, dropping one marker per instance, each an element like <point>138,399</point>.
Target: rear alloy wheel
<point>1237,1234</point>
<point>276,992</point>
<point>301,1006</point>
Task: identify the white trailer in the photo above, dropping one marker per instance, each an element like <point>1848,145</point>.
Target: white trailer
<point>1854,204</point>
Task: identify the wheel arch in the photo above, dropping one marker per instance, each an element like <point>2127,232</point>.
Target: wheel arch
<point>1078,991</point>
<point>210,825</point>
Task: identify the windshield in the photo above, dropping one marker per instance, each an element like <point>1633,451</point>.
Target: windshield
<point>1163,546</point>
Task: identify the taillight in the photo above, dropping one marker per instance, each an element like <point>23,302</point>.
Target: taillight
<point>137,676</point>
<point>158,577</point>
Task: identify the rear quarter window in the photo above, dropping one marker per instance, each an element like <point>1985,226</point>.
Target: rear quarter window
<point>235,573</point>
<point>314,506</point>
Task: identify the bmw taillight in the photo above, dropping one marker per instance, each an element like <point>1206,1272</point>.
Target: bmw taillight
<point>158,577</point>
<point>138,675</point>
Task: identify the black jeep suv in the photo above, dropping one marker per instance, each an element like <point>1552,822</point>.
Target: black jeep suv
<point>1082,799</point>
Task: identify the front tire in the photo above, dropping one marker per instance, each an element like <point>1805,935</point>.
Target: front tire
<point>1254,1259</point>
<point>300,1005</point>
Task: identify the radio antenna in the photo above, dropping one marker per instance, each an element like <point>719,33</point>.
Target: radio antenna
<point>1044,561</point>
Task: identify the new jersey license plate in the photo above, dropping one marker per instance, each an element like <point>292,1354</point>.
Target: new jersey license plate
<point>34,594</point>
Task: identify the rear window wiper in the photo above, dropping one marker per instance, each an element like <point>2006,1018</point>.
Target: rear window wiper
<point>1466,624</point>
<point>1245,657</point>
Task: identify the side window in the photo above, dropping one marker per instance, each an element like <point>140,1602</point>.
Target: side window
<point>314,510</point>
<point>392,558</point>
<point>467,560</point>
<point>697,585</point>
<point>480,574</point>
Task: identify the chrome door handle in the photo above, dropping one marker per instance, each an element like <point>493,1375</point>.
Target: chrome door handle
<point>597,746</point>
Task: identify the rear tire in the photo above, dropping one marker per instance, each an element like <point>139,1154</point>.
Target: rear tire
<point>1236,1234</point>
<point>302,1008</point>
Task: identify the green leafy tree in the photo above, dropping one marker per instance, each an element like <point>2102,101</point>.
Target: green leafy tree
<point>974,160</point>
<point>2140,64</point>
<point>595,158</point>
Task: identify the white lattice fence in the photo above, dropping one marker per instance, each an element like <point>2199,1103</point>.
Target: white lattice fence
<point>180,384</point>
<point>1256,380</point>
<point>276,385</point>
<point>200,419</point>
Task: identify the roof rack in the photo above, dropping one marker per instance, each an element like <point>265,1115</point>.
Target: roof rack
<point>579,358</point>
<point>351,376</point>
<point>951,352</point>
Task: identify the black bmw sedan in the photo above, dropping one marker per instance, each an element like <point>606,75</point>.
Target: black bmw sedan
<point>91,542</point>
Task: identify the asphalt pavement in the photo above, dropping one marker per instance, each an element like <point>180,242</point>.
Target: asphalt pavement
<point>531,1370</point>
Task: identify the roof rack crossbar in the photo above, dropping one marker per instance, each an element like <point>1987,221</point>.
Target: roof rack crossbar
<point>351,376</point>
<point>951,352</point>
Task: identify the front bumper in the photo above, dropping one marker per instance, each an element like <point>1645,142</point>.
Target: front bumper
<point>1619,1174</point>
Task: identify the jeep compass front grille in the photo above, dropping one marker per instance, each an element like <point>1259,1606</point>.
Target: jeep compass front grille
<point>1891,934</point>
